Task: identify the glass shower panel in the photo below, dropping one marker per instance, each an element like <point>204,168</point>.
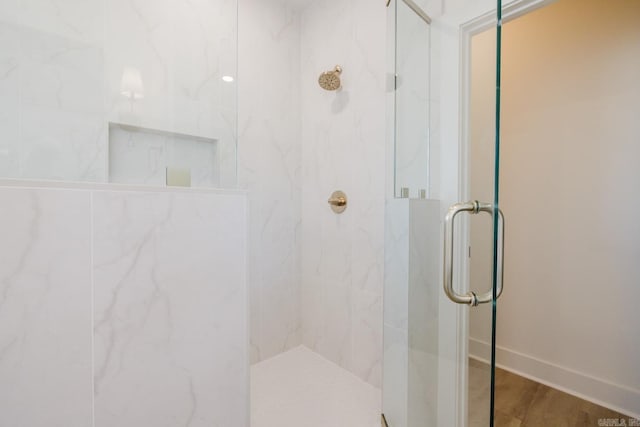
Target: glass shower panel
<point>412,98</point>
<point>413,356</point>
<point>411,333</point>
<point>119,91</point>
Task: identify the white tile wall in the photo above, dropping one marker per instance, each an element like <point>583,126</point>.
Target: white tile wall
<point>343,147</point>
<point>45,308</point>
<point>315,277</point>
<point>411,323</point>
<point>170,338</point>
<point>269,167</point>
<point>319,279</point>
<point>423,308</point>
<point>61,66</point>
<point>165,276</point>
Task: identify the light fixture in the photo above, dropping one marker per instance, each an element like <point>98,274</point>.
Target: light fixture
<point>131,85</point>
<point>227,79</point>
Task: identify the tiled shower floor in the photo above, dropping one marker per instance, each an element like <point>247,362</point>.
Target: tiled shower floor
<point>299,388</point>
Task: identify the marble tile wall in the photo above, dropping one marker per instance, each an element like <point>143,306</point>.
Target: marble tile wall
<point>315,278</point>
<point>411,325</point>
<point>319,279</point>
<point>269,168</point>
<point>61,70</point>
<point>45,308</point>
<point>396,313</point>
<point>343,148</point>
<point>423,307</point>
<point>139,296</point>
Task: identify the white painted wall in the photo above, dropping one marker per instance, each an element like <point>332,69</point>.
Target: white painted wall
<point>569,186</point>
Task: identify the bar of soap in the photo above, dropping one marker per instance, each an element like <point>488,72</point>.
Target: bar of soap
<point>177,177</point>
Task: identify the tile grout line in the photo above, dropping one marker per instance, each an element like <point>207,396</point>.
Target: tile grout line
<point>91,252</point>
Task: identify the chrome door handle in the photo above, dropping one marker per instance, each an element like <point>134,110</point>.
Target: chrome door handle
<point>470,298</point>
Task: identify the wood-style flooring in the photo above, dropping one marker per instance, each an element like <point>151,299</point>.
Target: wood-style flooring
<point>521,402</point>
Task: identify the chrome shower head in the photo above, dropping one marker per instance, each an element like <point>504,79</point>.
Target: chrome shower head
<point>330,80</point>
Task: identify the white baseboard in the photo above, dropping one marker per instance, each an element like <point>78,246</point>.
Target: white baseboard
<point>601,392</point>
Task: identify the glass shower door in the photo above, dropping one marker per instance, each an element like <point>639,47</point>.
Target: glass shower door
<point>568,139</point>
<point>429,378</point>
<point>567,161</point>
<point>482,226</point>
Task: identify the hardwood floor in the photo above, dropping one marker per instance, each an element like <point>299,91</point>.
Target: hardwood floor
<point>521,402</point>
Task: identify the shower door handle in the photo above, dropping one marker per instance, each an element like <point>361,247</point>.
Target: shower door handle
<point>471,298</point>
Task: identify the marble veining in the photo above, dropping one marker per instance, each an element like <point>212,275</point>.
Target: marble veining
<point>315,278</point>
<point>61,69</point>
<point>157,338</point>
<point>411,322</point>
<point>122,308</point>
<point>45,308</point>
<point>269,167</point>
<point>343,147</point>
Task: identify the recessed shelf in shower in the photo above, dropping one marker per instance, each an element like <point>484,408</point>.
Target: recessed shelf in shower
<point>139,155</point>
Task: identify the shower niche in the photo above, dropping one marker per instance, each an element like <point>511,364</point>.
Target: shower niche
<point>145,156</point>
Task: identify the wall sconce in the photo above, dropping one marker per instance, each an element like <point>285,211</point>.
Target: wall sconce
<point>131,86</point>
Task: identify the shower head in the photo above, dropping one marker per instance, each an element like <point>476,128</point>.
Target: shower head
<point>330,80</point>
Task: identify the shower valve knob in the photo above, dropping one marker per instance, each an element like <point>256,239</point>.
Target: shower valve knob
<point>338,202</point>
